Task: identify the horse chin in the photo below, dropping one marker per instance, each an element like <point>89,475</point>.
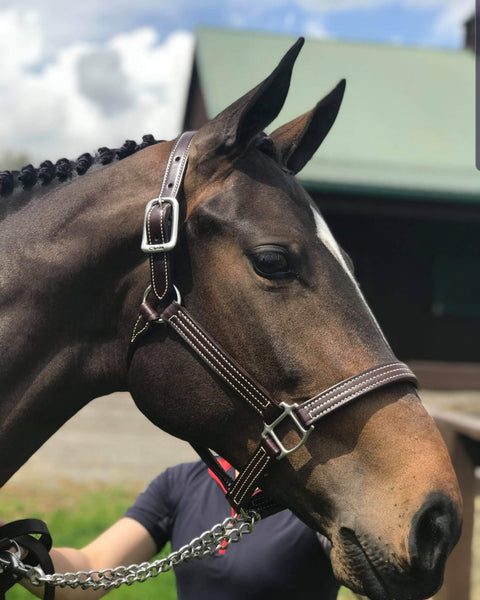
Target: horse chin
<point>353,569</point>
<point>368,571</point>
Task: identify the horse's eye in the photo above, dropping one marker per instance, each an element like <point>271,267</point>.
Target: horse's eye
<point>271,262</point>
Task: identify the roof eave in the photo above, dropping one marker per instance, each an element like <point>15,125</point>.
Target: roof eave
<point>413,194</point>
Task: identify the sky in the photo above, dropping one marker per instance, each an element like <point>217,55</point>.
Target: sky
<point>78,75</point>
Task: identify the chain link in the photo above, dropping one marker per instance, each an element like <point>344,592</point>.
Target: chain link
<point>230,531</point>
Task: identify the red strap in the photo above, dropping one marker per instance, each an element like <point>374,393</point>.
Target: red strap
<point>226,467</point>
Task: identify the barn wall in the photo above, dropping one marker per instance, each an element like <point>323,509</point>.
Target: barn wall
<point>420,274</point>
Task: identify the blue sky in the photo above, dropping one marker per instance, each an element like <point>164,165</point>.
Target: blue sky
<point>419,22</point>
<point>75,77</point>
<point>392,22</point>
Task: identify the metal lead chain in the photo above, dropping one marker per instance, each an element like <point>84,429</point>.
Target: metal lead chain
<point>219,536</point>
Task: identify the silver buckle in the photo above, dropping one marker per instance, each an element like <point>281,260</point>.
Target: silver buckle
<point>288,411</point>
<point>169,244</point>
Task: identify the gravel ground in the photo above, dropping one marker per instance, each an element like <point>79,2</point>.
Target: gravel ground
<point>457,401</point>
<point>109,441</point>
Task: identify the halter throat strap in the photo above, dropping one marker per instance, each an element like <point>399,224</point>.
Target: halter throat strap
<point>159,238</point>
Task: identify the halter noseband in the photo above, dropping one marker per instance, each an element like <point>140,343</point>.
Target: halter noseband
<point>159,238</point>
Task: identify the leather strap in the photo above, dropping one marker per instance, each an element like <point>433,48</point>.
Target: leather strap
<point>158,220</point>
<point>176,165</point>
<point>157,230</point>
<point>257,502</point>
<point>22,532</point>
<point>249,479</point>
<point>159,215</point>
<point>220,362</point>
<point>352,388</point>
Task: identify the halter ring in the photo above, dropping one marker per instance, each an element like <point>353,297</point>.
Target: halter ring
<point>147,291</point>
<point>269,430</point>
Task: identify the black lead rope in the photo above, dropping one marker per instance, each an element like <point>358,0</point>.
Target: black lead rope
<point>33,536</point>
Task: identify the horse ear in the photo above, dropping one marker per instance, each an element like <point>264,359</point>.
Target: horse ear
<point>299,139</point>
<point>236,126</point>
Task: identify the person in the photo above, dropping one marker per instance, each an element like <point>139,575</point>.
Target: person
<point>282,558</point>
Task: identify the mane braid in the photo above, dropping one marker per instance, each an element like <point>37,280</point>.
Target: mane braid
<point>65,169</point>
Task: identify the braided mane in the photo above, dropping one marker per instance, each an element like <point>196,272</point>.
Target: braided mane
<point>64,169</point>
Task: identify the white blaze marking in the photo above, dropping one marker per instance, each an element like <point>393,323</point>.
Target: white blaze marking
<point>326,237</point>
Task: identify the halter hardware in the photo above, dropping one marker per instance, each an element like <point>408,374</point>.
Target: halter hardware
<point>161,223</point>
<point>146,293</point>
<point>170,244</point>
<point>269,430</point>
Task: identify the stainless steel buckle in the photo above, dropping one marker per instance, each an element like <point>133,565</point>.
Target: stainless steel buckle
<point>288,411</point>
<point>169,244</point>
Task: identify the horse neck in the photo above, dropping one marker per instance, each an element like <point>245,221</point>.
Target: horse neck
<point>71,279</point>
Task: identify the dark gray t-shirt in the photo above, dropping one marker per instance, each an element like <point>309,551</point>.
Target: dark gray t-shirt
<point>282,559</point>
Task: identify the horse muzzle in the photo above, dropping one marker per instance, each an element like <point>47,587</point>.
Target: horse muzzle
<point>373,567</point>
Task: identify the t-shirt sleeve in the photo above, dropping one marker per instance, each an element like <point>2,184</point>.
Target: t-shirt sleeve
<point>156,507</point>
<point>153,509</point>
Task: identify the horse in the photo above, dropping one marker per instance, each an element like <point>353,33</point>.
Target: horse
<point>257,267</point>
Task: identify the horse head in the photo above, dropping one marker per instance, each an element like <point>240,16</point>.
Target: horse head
<point>258,267</point>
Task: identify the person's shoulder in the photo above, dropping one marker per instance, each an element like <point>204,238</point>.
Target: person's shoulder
<point>185,475</point>
<point>187,471</point>
<point>164,492</point>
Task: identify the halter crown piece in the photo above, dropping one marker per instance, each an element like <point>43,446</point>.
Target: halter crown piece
<point>160,232</point>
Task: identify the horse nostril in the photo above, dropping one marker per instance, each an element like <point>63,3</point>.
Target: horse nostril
<point>435,530</point>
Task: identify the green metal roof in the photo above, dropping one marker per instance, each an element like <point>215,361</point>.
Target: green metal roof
<point>407,121</point>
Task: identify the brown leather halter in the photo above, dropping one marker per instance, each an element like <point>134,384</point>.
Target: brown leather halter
<point>159,239</point>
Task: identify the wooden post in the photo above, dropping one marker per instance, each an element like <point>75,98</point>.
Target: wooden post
<point>457,580</point>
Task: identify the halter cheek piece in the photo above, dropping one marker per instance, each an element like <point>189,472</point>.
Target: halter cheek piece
<point>159,239</point>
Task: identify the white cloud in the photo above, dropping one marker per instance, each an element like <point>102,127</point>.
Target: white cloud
<point>64,24</point>
<point>88,95</point>
<point>315,28</point>
<point>450,23</point>
<point>21,41</point>
<point>337,5</point>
